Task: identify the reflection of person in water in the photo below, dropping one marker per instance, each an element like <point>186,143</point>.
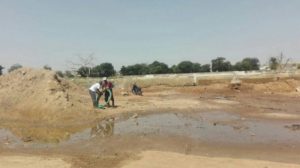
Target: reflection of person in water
<point>104,128</point>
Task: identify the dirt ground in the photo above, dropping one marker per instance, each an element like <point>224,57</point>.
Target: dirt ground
<point>47,121</point>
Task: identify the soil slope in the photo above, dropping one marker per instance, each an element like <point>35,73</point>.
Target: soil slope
<point>39,95</point>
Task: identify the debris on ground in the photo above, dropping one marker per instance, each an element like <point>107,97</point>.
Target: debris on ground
<point>135,115</point>
<point>27,139</point>
<point>235,84</point>
<point>293,127</point>
<point>125,93</point>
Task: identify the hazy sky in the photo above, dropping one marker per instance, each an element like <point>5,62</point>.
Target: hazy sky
<point>124,32</point>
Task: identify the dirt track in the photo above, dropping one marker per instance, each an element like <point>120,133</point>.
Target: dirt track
<point>65,126</point>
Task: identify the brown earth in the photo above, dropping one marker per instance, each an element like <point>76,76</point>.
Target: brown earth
<point>43,111</point>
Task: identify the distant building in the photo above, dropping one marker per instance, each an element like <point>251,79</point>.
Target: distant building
<point>264,68</point>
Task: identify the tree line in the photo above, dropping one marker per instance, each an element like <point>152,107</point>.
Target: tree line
<point>219,64</point>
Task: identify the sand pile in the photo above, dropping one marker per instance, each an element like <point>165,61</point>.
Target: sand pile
<point>288,85</point>
<point>36,95</point>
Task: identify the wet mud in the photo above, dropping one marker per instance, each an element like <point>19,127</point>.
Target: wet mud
<point>212,127</point>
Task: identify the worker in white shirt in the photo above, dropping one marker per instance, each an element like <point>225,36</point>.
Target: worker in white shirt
<point>95,92</point>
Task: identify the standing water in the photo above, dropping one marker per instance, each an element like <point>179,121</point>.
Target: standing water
<point>208,127</point>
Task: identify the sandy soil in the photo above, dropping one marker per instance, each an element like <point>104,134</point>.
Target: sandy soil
<point>41,112</point>
<point>156,159</point>
<point>32,162</point>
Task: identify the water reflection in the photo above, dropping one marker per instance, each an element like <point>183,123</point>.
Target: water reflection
<point>218,127</point>
<point>103,128</point>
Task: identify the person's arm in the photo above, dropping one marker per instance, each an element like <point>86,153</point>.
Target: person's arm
<point>99,89</point>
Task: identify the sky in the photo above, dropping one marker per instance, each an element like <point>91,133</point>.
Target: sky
<point>35,33</point>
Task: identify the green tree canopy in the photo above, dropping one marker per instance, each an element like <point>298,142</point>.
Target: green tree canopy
<point>185,67</point>
<point>205,68</point>
<point>173,69</point>
<point>104,69</point>
<point>196,67</point>
<point>137,69</point>
<point>220,64</point>
<point>247,64</point>
<point>84,71</point>
<point>273,63</point>
<point>158,68</point>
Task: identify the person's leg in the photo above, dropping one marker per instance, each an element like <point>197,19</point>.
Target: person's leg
<point>98,97</point>
<point>106,95</point>
<point>112,98</point>
<point>94,99</point>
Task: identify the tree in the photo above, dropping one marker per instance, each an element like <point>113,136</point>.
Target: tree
<point>69,74</point>
<point>238,66</point>
<point>14,67</point>
<point>205,68</point>
<point>174,69</point>
<point>247,64</point>
<point>83,71</point>
<point>1,68</point>
<point>158,68</point>
<point>196,67</point>
<point>188,67</point>
<point>47,67</point>
<point>220,64</point>
<point>84,61</point>
<point>185,67</point>
<point>278,63</point>
<point>104,69</point>
<point>273,63</point>
<point>137,69</point>
<point>123,70</point>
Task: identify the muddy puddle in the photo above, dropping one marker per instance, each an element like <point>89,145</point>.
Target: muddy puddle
<point>213,127</point>
<point>9,139</point>
<point>218,127</point>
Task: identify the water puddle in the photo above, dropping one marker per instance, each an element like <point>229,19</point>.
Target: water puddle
<point>214,127</point>
<point>208,127</point>
<point>8,139</point>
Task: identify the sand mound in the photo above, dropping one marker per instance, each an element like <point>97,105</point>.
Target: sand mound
<point>289,85</point>
<point>37,95</point>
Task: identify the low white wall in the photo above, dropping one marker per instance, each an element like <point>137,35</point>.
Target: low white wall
<point>191,79</point>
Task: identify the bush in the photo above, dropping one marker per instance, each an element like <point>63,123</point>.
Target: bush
<point>1,68</point>
<point>69,74</point>
<point>14,67</point>
<point>59,73</point>
<point>84,71</point>
<point>47,67</point>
